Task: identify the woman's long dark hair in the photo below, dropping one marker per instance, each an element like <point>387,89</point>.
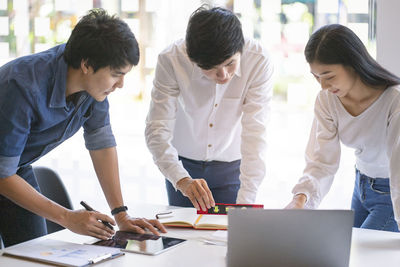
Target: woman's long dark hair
<point>337,44</point>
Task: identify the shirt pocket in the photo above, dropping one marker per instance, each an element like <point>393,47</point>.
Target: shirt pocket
<point>231,105</point>
<point>229,113</point>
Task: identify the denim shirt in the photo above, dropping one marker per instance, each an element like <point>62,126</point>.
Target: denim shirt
<point>35,116</point>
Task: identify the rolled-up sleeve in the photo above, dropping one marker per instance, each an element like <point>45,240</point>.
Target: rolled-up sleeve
<point>8,166</point>
<point>100,138</point>
<point>97,129</point>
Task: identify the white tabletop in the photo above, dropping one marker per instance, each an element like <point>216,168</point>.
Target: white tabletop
<point>369,248</point>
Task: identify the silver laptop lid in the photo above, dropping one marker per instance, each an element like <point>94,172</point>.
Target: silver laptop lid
<point>258,237</point>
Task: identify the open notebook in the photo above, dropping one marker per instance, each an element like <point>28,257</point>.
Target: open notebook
<point>188,217</point>
<point>62,253</point>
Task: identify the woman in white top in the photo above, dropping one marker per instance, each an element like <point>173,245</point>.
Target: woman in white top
<point>360,107</point>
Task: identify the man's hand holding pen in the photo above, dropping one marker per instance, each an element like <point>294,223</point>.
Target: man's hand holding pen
<point>93,223</point>
<point>89,223</point>
<point>88,208</point>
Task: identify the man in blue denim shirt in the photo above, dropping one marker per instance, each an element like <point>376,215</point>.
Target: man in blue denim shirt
<point>44,99</point>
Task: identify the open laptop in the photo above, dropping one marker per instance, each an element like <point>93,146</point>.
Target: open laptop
<point>258,237</point>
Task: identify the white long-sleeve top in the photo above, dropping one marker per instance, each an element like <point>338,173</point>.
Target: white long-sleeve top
<point>192,116</point>
<point>374,134</point>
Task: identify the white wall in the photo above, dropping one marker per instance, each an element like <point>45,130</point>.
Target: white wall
<point>388,34</point>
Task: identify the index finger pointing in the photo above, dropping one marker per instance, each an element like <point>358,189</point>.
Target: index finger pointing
<point>209,194</point>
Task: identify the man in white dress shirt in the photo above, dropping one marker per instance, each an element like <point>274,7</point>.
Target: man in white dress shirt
<point>206,126</point>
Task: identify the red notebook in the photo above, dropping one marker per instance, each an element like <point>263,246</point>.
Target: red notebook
<point>222,208</point>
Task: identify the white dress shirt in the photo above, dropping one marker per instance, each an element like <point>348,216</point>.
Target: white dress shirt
<point>374,134</point>
<point>192,116</point>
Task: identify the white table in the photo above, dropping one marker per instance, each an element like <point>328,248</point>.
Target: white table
<point>369,248</point>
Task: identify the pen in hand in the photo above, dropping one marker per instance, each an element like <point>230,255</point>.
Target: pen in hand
<point>88,208</point>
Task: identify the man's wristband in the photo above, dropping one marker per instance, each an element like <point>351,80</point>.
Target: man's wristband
<point>119,209</point>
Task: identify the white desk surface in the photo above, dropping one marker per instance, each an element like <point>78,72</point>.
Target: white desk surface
<point>369,248</point>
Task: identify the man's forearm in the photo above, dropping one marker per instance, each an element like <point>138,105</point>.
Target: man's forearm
<point>23,194</point>
<point>105,162</point>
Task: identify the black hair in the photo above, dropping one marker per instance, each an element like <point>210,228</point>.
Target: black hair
<point>337,44</point>
<point>212,36</point>
<point>103,41</point>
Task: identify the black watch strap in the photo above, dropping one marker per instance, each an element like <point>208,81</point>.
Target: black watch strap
<point>119,209</point>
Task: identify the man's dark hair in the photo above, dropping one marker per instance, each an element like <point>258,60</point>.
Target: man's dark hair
<point>103,41</point>
<point>212,36</point>
<point>337,44</point>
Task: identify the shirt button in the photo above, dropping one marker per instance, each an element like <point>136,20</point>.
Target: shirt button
<point>209,145</point>
<point>216,105</point>
<point>211,125</point>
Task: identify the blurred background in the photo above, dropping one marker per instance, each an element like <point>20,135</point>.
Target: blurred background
<point>283,27</point>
